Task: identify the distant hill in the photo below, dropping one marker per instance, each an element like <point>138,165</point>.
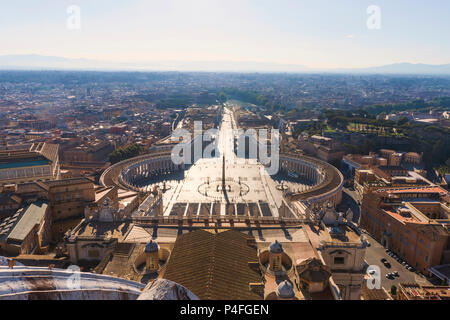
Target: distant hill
<point>39,62</point>
<point>408,68</point>
<point>34,62</point>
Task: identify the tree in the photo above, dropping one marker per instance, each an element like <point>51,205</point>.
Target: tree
<point>439,151</point>
<point>222,97</point>
<point>124,153</point>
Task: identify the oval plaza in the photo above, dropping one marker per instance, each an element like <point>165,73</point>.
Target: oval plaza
<point>226,188</point>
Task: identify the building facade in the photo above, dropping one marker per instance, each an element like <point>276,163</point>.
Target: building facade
<point>395,219</point>
<point>343,249</point>
<point>27,231</point>
<point>29,163</point>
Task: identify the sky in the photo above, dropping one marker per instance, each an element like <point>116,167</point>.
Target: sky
<point>314,33</point>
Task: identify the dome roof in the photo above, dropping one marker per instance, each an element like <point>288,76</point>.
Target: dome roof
<point>285,290</point>
<point>151,246</point>
<point>276,247</point>
<point>162,289</point>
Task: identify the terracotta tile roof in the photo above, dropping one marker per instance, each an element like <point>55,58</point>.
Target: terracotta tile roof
<point>401,218</point>
<point>431,231</point>
<point>214,266</point>
<point>429,189</point>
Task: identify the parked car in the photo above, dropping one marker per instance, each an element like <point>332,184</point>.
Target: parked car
<point>389,276</point>
<point>383,260</point>
<point>387,265</point>
<point>395,274</point>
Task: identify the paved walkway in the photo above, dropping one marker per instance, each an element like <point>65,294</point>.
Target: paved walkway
<point>247,181</point>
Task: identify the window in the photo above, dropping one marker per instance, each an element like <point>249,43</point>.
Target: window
<point>339,260</point>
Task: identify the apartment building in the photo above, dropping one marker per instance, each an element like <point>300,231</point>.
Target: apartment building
<point>412,222</point>
<point>28,163</point>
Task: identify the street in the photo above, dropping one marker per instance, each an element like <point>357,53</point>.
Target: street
<point>376,252</point>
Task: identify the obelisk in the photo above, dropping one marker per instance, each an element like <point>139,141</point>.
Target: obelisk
<point>223,173</point>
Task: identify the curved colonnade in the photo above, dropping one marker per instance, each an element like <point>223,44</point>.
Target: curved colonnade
<point>327,180</point>
<point>147,168</point>
<point>113,176</point>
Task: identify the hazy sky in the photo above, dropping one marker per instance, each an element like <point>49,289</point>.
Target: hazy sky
<point>315,33</point>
